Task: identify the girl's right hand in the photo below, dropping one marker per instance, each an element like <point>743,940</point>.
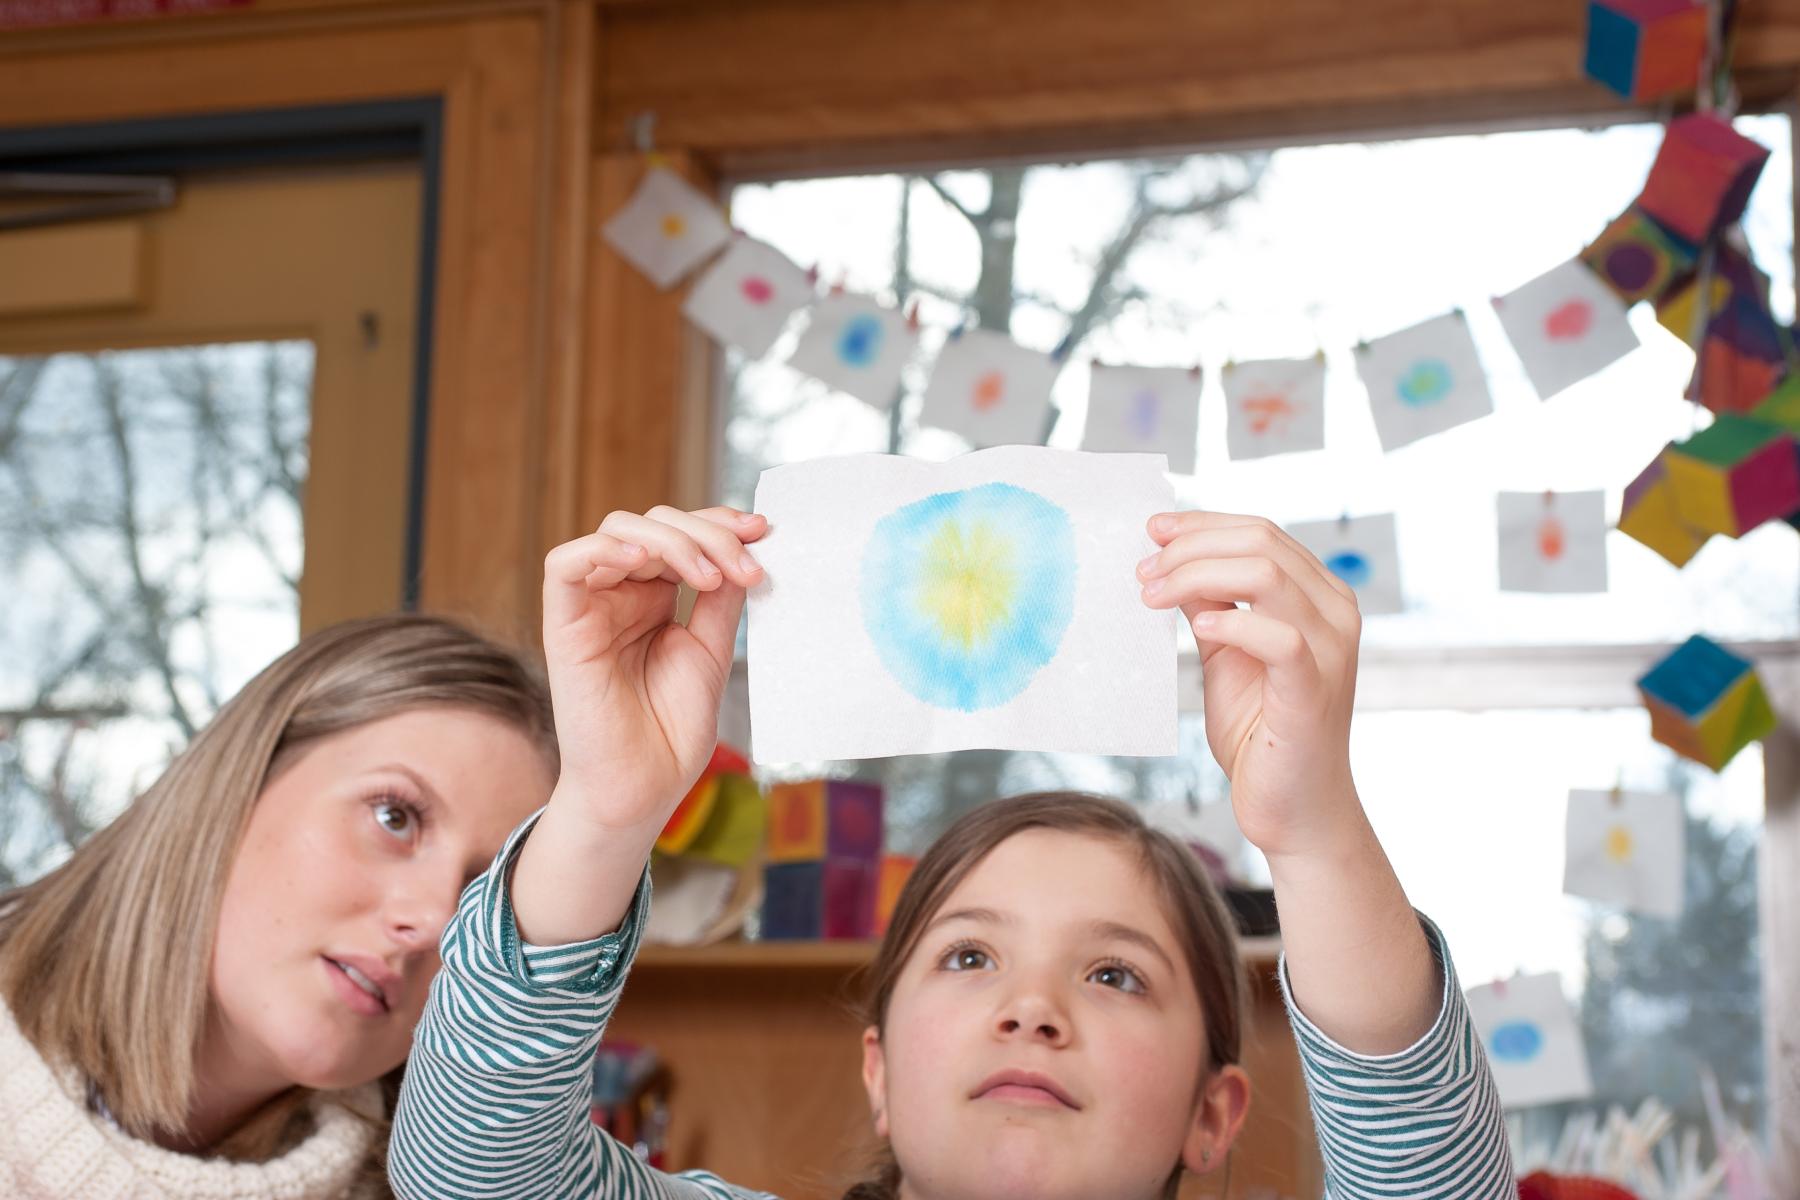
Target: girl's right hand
<point>636,692</point>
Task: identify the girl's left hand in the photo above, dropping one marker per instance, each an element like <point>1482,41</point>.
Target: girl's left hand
<point>1279,676</point>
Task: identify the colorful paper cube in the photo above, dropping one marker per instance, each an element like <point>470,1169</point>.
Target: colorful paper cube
<point>793,906</point>
<point>853,820</point>
<point>810,900</point>
<point>1706,703</point>
<point>1649,516</point>
<point>1643,49</point>
<point>1676,308</point>
<point>1637,257</point>
<point>895,870</point>
<point>1735,474</point>
<point>1702,176</point>
<point>696,808</point>
<point>734,832</point>
<point>797,821</point>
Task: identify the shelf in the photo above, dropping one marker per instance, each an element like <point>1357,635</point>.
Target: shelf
<point>834,955</point>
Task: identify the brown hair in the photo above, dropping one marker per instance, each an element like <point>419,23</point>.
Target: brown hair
<point>1198,915</point>
<point>105,961</point>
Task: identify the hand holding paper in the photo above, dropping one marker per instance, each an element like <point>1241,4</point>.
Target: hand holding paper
<point>637,701</point>
<point>1279,676</point>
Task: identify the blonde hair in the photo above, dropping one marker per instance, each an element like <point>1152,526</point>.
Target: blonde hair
<point>1197,914</point>
<point>105,962</point>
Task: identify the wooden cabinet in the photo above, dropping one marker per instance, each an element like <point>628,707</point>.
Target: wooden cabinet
<point>765,1057</point>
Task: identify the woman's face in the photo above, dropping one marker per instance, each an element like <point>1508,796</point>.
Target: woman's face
<point>1046,1039</point>
<point>350,868</point>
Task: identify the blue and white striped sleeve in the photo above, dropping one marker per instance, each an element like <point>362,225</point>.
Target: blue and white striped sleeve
<point>1424,1123</point>
<point>496,1095</point>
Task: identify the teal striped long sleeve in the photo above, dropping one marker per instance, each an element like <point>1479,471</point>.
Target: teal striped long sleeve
<point>495,1102</point>
<point>1424,1123</point>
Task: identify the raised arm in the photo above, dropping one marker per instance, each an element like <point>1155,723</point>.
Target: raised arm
<point>1400,1088</point>
<point>495,1100</point>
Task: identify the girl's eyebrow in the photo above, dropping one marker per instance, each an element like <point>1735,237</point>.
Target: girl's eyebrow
<point>1113,931</point>
<point>984,915</point>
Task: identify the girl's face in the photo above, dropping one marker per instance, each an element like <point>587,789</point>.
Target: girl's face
<point>349,870</point>
<point>1045,1038</point>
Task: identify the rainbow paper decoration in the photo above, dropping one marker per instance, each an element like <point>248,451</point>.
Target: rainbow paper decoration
<point>1638,258</point>
<point>1423,380</point>
<point>1533,1040</point>
<point>1144,410</point>
<point>1643,49</point>
<point>667,229</point>
<point>1676,308</point>
<point>1566,325</point>
<point>1702,176</point>
<point>990,389</point>
<point>1649,515</point>
<point>857,346</point>
<point>1628,849</point>
<point>1733,475</point>
<point>1274,406</point>
<point>1552,541</point>
<point>1706,703</point>
<point>824,857</point>
<point>746,297</point>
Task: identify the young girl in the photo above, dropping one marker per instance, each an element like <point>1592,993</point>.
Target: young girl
<point>211,997</point>
<point>1056,1004</point>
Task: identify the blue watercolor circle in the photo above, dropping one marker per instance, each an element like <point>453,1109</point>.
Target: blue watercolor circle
<point>966,595</point>
<point>859,342</point>
<point>1426,382</point>
<point>1516,1042</point>
<point>1351,567</point>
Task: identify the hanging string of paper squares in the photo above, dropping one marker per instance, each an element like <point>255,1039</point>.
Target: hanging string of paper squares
<point>1676,246</point>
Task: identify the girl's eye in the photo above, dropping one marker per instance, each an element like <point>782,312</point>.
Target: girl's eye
<point>397,819</point>
<point>966,958</point>
<point>1117,975</point>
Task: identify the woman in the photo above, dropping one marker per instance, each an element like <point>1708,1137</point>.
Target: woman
<point>213,995</point>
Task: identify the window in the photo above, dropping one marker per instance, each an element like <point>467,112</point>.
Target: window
<point>1207,259</point>
<point>150,551</point>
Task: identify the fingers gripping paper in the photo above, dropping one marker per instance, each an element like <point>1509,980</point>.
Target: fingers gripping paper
<point>991,601</point>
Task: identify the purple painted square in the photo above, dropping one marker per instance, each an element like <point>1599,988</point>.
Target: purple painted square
<point>852,820</point>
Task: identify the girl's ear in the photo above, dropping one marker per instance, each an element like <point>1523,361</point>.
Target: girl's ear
<point>1218,1117</point>
<point>874,1074</point>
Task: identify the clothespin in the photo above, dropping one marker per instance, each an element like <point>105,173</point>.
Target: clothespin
<point>1344,520</point>
<point>1549,498</point>
<point>912,314</point>
<point>837,285</point>
<point>1194,371</point>
<point>1319,356</point>
<point>956,330</point>
<point>1618,789</point>
<point>643,136</point>
<point>1062,349</point>
<point>812,275</point>
<point>1499,986</point>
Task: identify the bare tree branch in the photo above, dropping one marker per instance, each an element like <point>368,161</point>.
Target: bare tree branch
<point>975,219</point>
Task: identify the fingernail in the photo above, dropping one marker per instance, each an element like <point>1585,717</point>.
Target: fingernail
<point>1148,566</point>
<point>1162,523</point>
<point>1205,620</point>
<point>1153,587</point>
<point>630,549</point>
<point>707,569</point>
<point>749,565</point>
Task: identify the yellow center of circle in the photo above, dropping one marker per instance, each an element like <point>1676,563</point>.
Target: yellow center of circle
<point>968,581</point>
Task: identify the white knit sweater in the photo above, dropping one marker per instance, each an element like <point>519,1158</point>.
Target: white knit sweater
<point>53,1146</point>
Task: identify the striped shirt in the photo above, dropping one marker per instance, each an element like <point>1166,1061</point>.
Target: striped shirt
<point>495,1102</point>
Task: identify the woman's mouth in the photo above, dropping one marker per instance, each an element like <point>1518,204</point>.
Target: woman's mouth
<point>354,986</point>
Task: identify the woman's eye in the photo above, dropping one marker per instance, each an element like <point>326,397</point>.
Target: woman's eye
<point>1115,976</point>
<point>396,819</point>
<point>966,958</point>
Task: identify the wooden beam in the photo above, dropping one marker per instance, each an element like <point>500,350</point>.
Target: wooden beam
<point>776,86</point>
<point>71,268</point>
